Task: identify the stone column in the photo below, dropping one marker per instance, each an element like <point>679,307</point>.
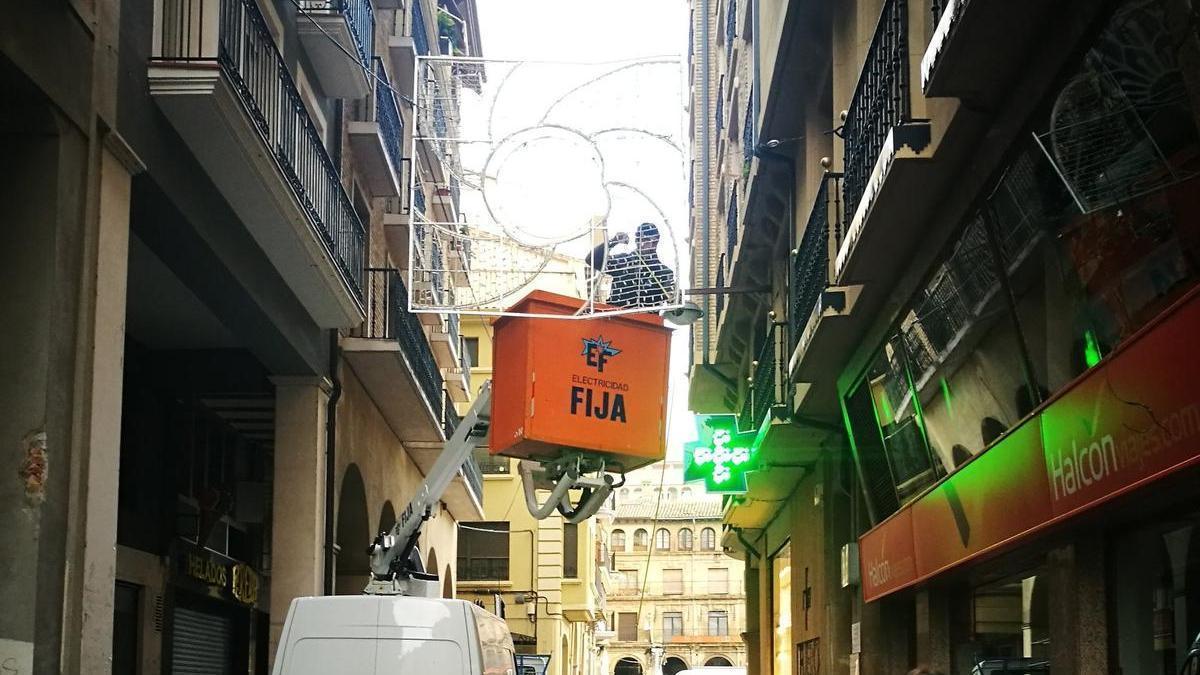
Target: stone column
<point>1077,617</point>
<point>933,629</point>
<point>298,531</point>
<point>92,524</point>
<point>752,636</point>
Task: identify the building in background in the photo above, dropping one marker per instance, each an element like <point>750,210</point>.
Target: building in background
<point>960,244</point>
<point>215,395</point>
<point>676,600</point>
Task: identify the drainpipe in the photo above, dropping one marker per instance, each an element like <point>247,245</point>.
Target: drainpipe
<point>335,393</point>
<point>705,88</point>
<point>756,90</point>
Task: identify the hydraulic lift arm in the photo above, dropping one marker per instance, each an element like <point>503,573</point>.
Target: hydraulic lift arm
<point>390,571</point>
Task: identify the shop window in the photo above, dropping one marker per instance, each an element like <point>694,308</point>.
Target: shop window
<point>708,539</point>
<point>673,582</point>
<point>867,445</point>
<point>1009,631</point>
<point>897,411</point>
<point>781,607</point>
<point>685,539</point>
<point>618,541</point>
<point>1156,597</point>
<point>483,551</point>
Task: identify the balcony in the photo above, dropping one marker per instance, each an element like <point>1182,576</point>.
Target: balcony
<point>392,358</point>
<point>409,42</point>
<point>376,139</point>
<point>979,47</point>
<point>818,312</point>
<point>331,29</point>
<point>447,348</point>
<point>223,85</point>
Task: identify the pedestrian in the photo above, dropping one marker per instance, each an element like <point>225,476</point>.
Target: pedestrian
<point>639,278</point>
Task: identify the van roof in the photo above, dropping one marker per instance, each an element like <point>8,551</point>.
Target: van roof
<point>377,610</point>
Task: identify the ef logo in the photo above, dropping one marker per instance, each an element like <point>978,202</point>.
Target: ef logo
<point>597,352</point>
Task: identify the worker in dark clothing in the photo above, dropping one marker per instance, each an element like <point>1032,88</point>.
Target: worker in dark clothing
<point>639,279</point>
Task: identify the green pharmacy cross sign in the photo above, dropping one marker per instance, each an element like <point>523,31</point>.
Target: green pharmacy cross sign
<point>720,456</point>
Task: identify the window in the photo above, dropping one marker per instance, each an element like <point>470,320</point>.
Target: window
<point>673,582</point>
<point>627,626</point>
<point>662,539</point>
<point>685,539</point>
<point>483,551</point>
<point>708,539</point>
<point>672,625</point>
<point>718,623</point>
<point>570,551</point>
<point>641,540</point>
<point>718,580</point>
<point>629,580</point>
<point>618,541</point>
<point>471,347</point>
<point>781,606</point>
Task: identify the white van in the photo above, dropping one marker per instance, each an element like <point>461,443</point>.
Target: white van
<point>392,635</point>
<point>714,670</point>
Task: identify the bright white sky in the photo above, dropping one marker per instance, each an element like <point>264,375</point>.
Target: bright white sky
<point>613,30</point>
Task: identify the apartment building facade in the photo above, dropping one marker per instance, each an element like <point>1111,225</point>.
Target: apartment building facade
<point>959,277</point>
<point>676,601</point>
<point>216,394</point>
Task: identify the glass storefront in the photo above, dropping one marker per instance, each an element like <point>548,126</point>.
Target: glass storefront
<point>1009,631</point>
<point>781,603</point>
<point>1155,595</point>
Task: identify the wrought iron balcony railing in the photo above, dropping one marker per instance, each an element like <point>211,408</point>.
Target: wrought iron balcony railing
<point>881,100</point>
<point>420,33</point>
<point>248,57</point>
<point>388,318</point>
<point>491,464</point>
<point>720,284</point>
<point>730,28</point>
<point>419,199</point>
<point>731,225</point>
<point>387,116</point>
<point>748,136</point>
<point>767,379</point>
<point>474,476</point>
<point>360,17</point>
<point>720,115</point>
<point>810,260</point>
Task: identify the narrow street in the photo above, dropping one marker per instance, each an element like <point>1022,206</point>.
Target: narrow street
<point>643,337</point>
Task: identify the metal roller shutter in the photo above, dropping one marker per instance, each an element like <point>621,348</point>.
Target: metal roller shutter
<point>201,643</point>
